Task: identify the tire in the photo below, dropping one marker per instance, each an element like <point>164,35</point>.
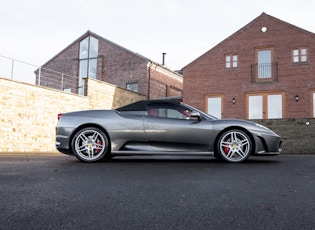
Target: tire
<point>234,146</point>
<point>90,145</point>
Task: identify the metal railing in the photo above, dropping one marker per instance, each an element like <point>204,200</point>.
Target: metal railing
<point>264,72</point>
<point>25,72</point>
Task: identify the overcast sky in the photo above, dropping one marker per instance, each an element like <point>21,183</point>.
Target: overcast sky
<point>34,31</point>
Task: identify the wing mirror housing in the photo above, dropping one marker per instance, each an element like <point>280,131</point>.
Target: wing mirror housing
<point>195,116</point>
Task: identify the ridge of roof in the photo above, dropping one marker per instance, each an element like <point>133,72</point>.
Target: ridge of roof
<point>263,14</point>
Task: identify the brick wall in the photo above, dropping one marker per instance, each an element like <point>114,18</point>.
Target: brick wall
<point>164,83</point>
<point>29,113</point>
<point>207,75</point>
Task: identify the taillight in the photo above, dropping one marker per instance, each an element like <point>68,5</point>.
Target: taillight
<point>59,115</point>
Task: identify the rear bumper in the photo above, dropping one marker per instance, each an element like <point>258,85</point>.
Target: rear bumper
<point>62,145</point>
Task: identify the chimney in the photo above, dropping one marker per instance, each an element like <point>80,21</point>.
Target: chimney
<point>163,58</point>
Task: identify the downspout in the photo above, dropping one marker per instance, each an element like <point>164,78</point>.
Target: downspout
<point>149,80</point>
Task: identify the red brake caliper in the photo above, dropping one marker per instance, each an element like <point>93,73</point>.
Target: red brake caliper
<point>226,150</point>
<point>98,149</point>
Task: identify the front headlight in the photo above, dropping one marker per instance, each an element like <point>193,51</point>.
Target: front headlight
<point>265,128</point>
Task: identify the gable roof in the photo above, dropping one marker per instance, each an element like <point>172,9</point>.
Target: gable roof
<point>90,33</point>
<point>262,17</point>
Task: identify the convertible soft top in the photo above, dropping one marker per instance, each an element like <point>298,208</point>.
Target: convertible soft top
<point>142,105</point>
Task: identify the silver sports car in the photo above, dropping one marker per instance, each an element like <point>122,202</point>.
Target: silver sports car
<point>161,127</point>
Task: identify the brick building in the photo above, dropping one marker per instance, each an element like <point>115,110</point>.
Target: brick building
<point>96,57</point>
<point>264,70</point>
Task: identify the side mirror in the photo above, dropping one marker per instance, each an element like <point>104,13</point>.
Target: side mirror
<point>195,116</point>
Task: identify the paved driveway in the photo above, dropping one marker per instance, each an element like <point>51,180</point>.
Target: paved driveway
<point>59,192</point>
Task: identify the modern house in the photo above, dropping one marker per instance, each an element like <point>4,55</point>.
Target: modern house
<point>96,57</point>
<point>265,70</point>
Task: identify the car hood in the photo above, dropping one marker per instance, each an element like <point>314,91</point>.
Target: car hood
<point>249,125</point>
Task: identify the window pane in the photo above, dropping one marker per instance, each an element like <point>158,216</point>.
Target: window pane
<point>84,47</point>
<point>133,87</point>
<point>264,57</point>
<point>92,68</point>
<point>303,52</point>
<point>93,47</point>
<point>313,104</point>
<point>296,59</point>
<point>255,107</point>
<point>214,106</point>
<point>234,61</point>
<point>82,74</point>
<point>274,106</point>
<point>264,64</point>
<point>228,62</point>
<point>295,52</point>
<point>303,58</point>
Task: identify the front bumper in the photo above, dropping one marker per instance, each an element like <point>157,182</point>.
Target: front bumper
<point>268,144</point>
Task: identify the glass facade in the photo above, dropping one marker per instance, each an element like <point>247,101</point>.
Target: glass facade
<point>87,61</point>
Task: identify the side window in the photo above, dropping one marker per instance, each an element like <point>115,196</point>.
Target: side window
<point>168,111</point>
<point>299,55</point>
<point>133,86</point>
<point>231,61</point>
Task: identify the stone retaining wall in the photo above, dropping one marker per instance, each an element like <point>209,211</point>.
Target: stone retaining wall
<point>298,134</point>
<point>29,113</point>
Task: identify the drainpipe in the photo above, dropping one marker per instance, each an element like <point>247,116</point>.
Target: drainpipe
<point>149,80</point>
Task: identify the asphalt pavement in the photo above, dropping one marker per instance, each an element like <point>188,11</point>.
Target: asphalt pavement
<point>59,192</point>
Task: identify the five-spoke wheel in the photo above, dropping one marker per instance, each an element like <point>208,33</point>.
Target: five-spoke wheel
<point>234,146</point>
<point>90,144</point>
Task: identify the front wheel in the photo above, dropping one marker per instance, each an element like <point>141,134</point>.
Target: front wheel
<point>234,146</point>
<point>90,144</point>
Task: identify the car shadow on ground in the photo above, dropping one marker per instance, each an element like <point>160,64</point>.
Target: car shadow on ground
<point>180,159</point>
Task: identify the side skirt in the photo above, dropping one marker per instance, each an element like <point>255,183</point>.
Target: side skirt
<point>151,153</point>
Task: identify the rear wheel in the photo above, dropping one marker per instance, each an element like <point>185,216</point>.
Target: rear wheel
<point>90,145</point>
<point>234,146</point>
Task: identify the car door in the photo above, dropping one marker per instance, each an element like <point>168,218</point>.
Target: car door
<point>170,128</point>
